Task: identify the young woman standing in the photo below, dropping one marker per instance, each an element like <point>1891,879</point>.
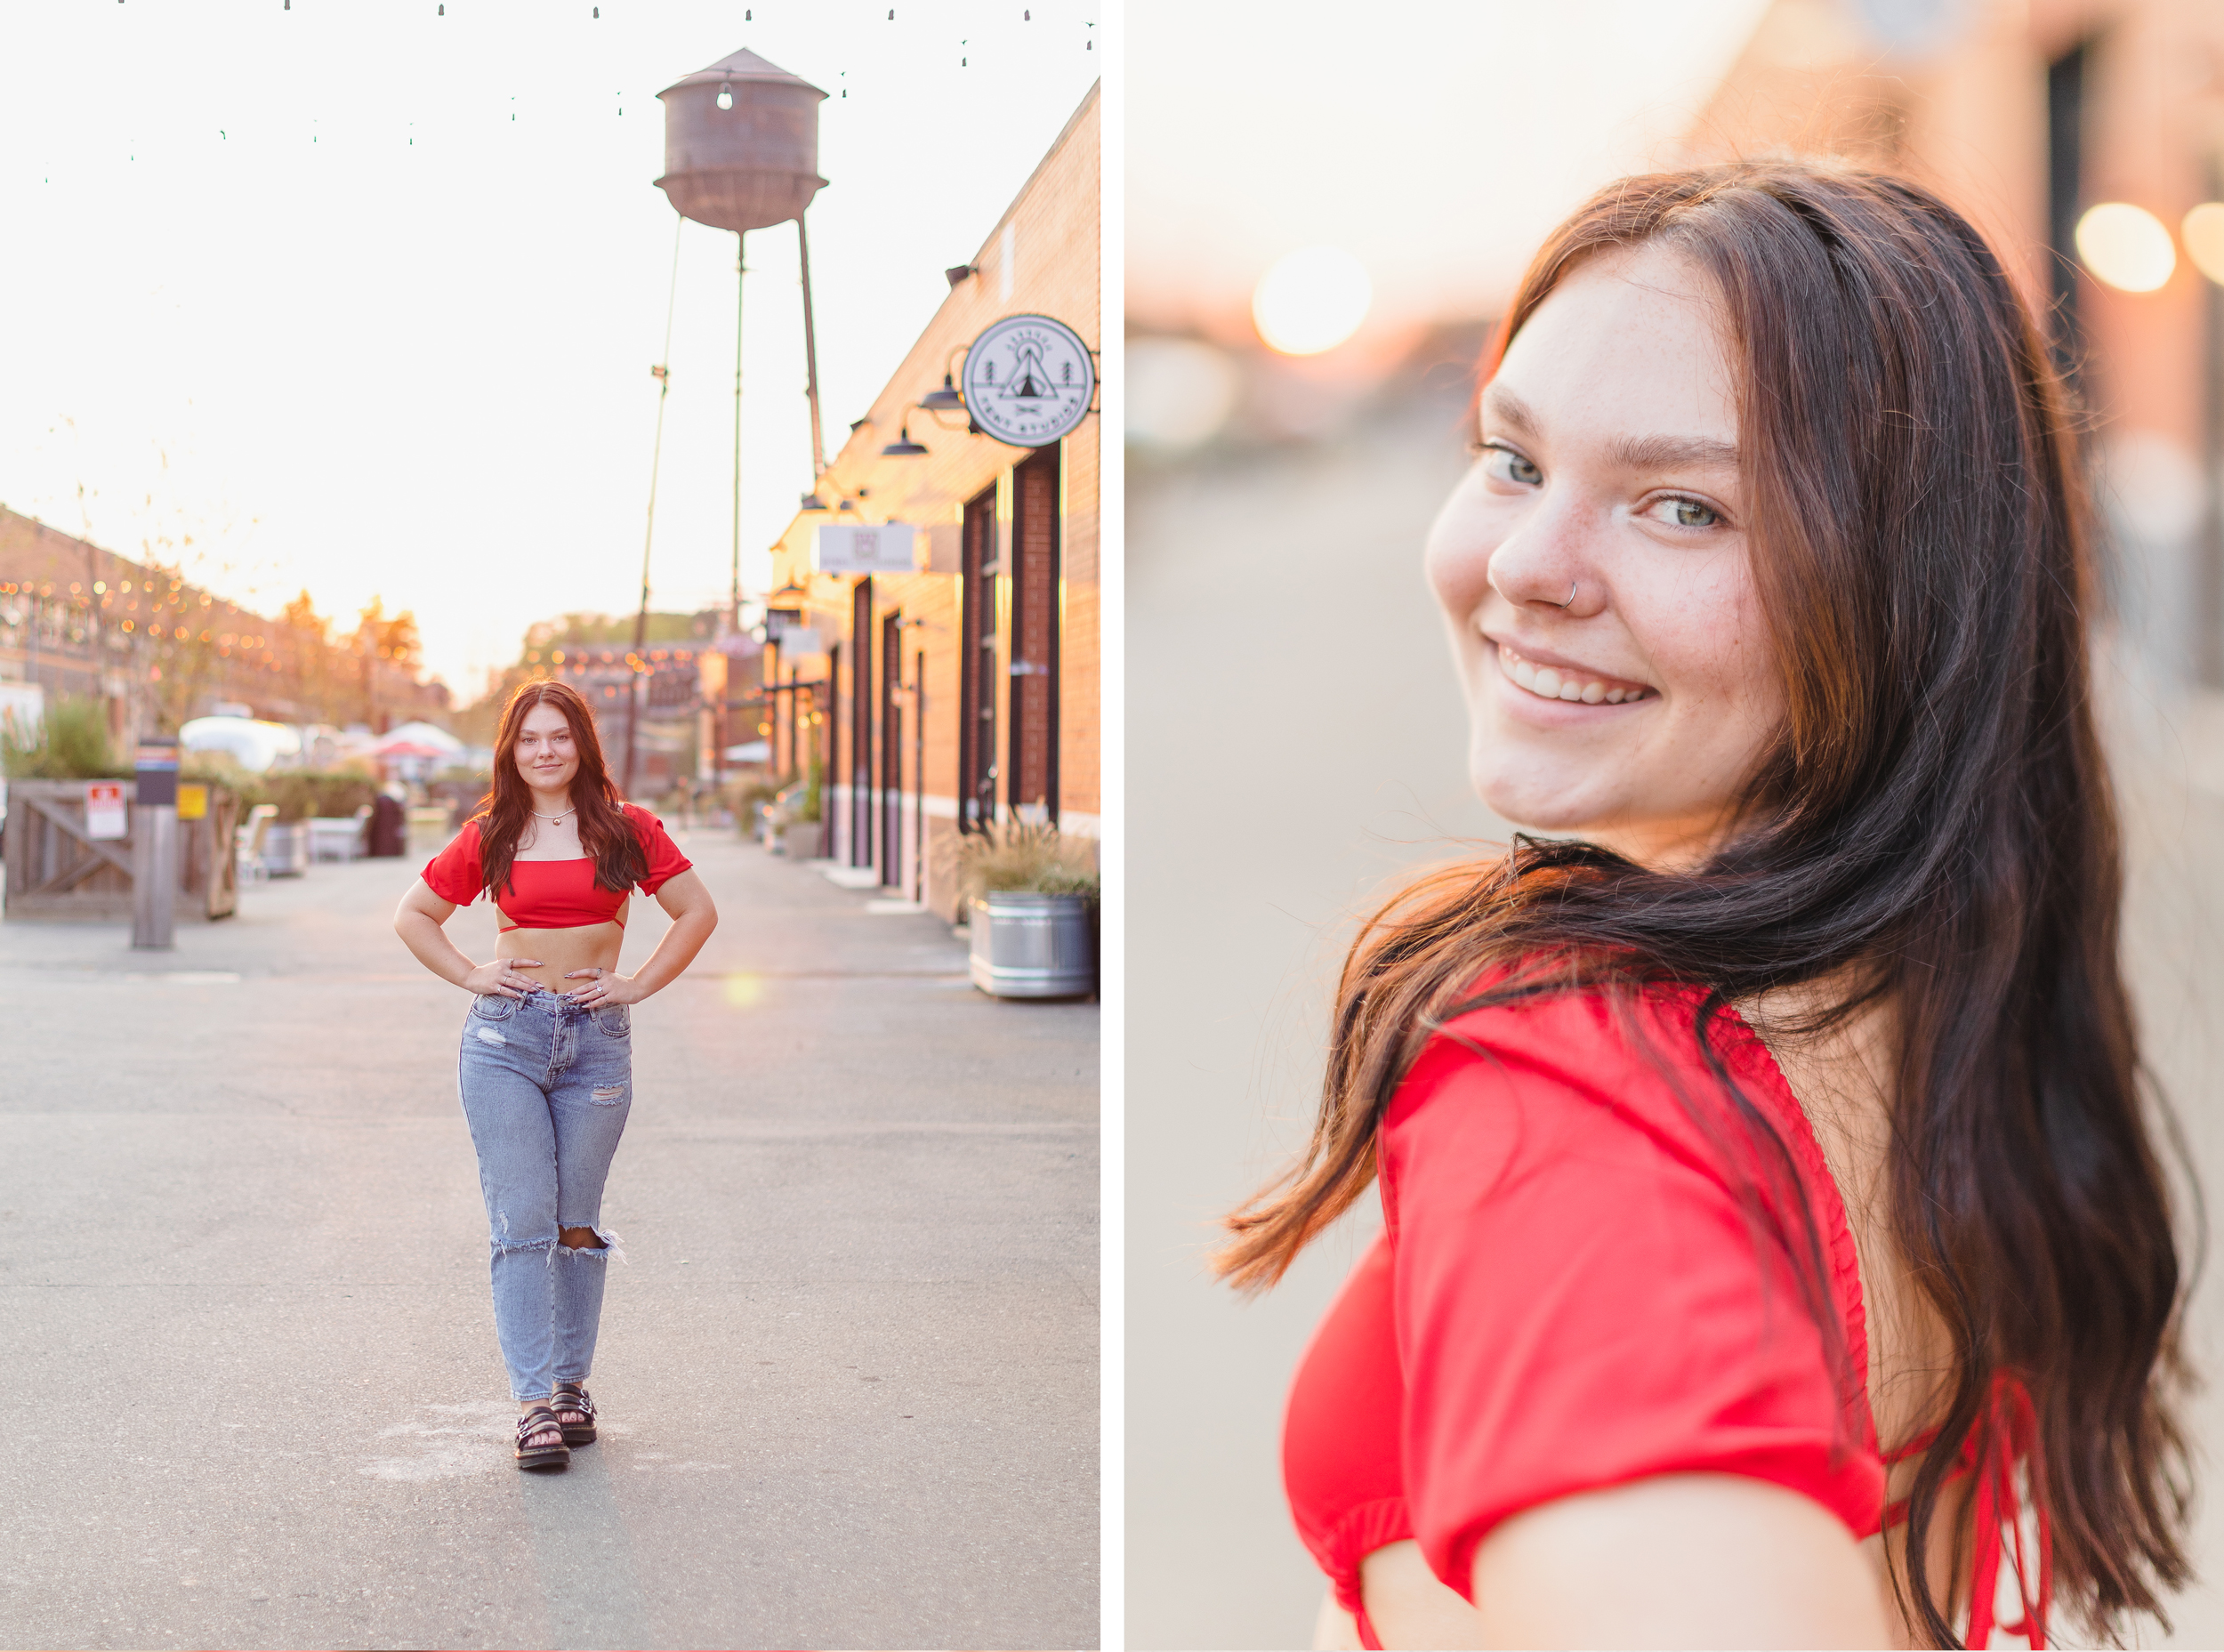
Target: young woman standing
<point>546,1070</point>
<point>1775,1250</point>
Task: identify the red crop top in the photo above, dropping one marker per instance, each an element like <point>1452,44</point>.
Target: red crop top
<point>1569,1294</point>
<point>553,894</point>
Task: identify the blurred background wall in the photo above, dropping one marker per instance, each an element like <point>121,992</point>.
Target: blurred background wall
<point>1325,211</point>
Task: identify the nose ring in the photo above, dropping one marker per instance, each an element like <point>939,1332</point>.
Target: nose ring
<point>1571,595</point>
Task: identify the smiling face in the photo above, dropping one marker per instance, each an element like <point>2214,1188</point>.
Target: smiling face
<point>547,755</point>
<point>1595,575</point>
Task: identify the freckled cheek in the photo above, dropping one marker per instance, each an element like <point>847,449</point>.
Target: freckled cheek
<point>1709,645</point>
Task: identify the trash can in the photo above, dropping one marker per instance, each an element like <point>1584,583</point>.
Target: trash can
<point>390,829</point>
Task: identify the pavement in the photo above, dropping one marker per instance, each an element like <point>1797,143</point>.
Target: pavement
<point>250,1387</point>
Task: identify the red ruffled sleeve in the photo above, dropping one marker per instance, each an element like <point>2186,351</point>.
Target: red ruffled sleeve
<point>454,873</point>
<point>1582,1298</point>
<point>666,862</point>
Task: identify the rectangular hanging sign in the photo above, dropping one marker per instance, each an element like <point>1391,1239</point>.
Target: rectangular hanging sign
<point>884,548</point>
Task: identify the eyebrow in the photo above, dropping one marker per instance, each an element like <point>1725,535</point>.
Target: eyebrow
<point>1633,453</point>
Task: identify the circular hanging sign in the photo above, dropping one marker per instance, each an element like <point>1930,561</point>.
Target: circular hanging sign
<point>1028,380</point>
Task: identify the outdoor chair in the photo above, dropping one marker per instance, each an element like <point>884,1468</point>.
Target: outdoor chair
<point>252,831</point>
<point>338,837</point>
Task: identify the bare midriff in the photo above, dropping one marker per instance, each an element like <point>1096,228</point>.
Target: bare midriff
<point>560,952</point>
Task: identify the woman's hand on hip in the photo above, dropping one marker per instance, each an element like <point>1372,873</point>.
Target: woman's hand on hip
<point>501,978</point>
<point>604,987</point>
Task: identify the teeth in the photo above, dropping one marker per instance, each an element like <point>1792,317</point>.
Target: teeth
<point>1548,682</point>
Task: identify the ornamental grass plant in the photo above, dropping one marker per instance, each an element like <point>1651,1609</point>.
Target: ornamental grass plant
<point>1030,858</point>
<point>70,742</point>
<point>747,795</point>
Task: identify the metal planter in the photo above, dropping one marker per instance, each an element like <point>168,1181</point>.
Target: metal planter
<point>286,849</point>
<point>1029,946</point>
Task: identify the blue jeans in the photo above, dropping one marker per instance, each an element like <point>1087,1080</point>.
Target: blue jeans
<point>546,1086</point>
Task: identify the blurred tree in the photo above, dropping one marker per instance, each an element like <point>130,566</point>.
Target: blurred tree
<point>585,630</point>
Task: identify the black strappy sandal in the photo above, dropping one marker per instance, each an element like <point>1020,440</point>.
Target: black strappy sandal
<point>574,1397</point>
<point>541,1419</point>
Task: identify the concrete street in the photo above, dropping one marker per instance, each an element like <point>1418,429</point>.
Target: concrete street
<point>250,1385</point>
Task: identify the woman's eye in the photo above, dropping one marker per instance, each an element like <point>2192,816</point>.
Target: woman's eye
<point>1503,464</point>
<point>1674,512</point>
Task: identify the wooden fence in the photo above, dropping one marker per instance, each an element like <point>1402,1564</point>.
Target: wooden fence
<point>57,869</point>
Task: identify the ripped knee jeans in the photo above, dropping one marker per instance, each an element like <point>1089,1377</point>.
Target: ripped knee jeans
<point>546,1086</point>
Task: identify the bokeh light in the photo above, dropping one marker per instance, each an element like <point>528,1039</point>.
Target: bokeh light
<point>2127,246</point>
<point>1179,393</point>
<point>2203,232</point>
<point>1311,299</point>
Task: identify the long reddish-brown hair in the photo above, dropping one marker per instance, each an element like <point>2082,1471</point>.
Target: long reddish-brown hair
<point>1931,832</point>
<point>604,831</point>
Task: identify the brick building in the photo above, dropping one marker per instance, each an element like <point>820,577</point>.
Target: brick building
<point>75,619</point>
<point>966,691</point>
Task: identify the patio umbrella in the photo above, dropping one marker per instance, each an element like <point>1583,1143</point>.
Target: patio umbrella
<point>416,739</point>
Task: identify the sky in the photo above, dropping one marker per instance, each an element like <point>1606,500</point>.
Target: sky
<point>310,293</point>
<point>1439,148</point>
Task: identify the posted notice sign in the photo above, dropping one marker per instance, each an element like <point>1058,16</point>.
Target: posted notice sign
<point>842,548</point>
<point>104,812</point>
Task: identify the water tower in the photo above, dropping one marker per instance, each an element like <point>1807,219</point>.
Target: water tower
<point>741,153</point>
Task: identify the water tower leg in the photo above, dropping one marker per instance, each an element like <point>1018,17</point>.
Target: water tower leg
<point>741,266</point>
<point>810,356</point>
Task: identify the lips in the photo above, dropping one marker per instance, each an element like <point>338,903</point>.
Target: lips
<point>1567,682</point>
